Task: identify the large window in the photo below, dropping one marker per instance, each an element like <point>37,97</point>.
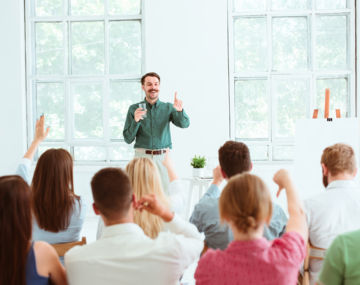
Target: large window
<point>283,54</point>
<point>84,62</point>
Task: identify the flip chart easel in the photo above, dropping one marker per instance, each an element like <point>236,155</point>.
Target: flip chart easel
<point>311,137</point>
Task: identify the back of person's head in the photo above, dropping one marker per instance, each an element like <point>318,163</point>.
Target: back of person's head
<point>53,197</point>
<point>246,202</point>
<point>234,158</point>
<point>112,192</point>
<point>15,229</point>
<point>339,158</point>
<point>145,179</point>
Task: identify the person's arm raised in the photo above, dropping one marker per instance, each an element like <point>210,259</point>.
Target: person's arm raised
<point>40,135</point>
<point>297,219</point>
<point>151,204</point>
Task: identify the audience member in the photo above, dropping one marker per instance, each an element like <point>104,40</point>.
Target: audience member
<point>337,209</point>
<point>245,204</point>
<point>22,261</point>
<point>145,179</point>
<point>234,158</point>
<point>124,254</point>
<point>342,261</point>
<point>58,212</point>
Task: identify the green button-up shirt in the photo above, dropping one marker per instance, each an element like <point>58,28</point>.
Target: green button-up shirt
<point>153,132</point>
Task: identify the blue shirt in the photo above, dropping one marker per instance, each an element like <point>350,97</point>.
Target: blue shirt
<point>218,235</point>
<point>153,132</point>
<point>32,276</point>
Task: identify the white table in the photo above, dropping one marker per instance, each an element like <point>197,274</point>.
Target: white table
<point>198,186</point>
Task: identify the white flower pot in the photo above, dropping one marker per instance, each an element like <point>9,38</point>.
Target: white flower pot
<point>198,172</point>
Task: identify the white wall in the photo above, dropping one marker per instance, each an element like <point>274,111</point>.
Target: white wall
<point>185,42</point>
<point>12,82</point>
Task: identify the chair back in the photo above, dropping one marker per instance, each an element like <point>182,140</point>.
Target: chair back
<point>62,248</point>
<point>313,252</point>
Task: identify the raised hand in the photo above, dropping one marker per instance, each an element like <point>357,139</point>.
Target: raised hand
<point>138,115</point>
<point>217,175</point>
<point>178,104</point>
<point>282,179</point>
<point>40,132</point>
<point>151,204</point>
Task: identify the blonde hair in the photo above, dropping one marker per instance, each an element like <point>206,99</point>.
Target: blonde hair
<point>145,179</point>
<point>246,202</point>
<point>339,158</point>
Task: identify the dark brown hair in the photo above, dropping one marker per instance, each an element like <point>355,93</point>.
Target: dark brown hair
<point>149,74</point>
<point>246,202</point>
<point>234,158</point>
<point>339,158</point>
<point>112,192</point>
<point>15,229</point>
<point>53,196</point>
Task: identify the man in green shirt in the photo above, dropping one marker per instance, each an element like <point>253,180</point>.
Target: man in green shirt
<point>342,261</point>
<point>150,127</point>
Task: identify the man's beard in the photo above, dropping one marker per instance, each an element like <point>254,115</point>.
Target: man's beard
<point>325,181</point>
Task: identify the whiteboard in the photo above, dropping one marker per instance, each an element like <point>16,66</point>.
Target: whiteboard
<point>312,137</point>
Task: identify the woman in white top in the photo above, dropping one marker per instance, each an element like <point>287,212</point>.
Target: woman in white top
<point>58,213</point>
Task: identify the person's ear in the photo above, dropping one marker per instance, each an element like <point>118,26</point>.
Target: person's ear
<point>133,201</point>
<point>325,170</point>
<point>223,173</point>
<point>355,172</point>
<point>96,210</point>
<point>143,87</point>
<point>251,166</point>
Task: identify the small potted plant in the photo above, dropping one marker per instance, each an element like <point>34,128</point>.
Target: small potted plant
<point>198,164</point>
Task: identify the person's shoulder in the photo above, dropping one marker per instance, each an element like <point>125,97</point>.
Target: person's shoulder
<point>134,106</point>
<point>207,205</point>
<point>212,256</point>
<point>44,252</point>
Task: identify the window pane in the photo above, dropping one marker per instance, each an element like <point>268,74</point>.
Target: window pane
<point>48,7</point>
<point>330,4</point>
<point>122,152</point>
<point>284,152</point>
<point>122,7</point>
<point>122,95</point>
<point>249,5</point>
<point>125,47</point>
<point>338,96</point>
<point>250,44</point>
<point>331,44</point>
<point>50,101</point>
<point>290,43</point>
<point>49,48</point>
<point>87,7</point>
<point>251,109</point>
<point>290,104</point>
<point>259,152</point>
<point>87,50</point>
<point>90,153</point>
<point>289,4</point>
<point>87,110</point>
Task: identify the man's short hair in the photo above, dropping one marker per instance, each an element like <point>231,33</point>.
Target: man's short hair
<point>339,158</point>
<point>149,74</point>
<point>112,192</point>
<point>234,158</point>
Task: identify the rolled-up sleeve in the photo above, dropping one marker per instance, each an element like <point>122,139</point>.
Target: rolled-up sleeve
<point>23,169</point>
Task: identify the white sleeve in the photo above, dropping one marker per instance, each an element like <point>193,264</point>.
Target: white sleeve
<point>183,241</point>
<point>177,197</point>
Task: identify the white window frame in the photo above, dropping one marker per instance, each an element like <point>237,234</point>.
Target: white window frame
<point>311,14</point>
<point>32,78</point>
